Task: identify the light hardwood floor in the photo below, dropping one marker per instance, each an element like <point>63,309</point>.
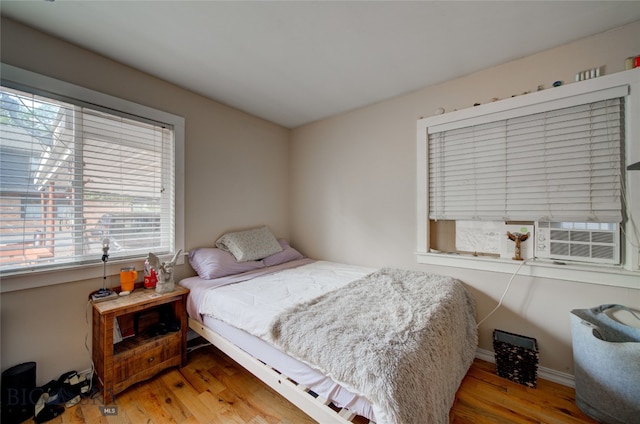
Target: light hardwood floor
<point>214,389</point>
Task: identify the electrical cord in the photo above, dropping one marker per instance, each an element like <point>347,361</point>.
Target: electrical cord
<point>86,346</point>
<point>503,294</point>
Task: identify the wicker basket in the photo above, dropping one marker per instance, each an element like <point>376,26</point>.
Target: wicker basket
<point>516,357</point>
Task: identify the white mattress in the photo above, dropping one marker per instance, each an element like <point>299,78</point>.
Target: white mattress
<point>292,368</point>
<point>219,305</point>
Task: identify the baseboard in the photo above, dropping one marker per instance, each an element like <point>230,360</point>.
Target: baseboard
<point>543,372</point>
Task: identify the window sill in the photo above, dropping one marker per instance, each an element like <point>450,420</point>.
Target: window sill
<point>30,279</point>
<point>603,275</point>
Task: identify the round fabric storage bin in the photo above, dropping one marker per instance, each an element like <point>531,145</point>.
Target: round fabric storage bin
<point>606,356</point>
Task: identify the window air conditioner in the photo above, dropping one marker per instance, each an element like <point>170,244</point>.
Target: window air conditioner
<point>578,241</point>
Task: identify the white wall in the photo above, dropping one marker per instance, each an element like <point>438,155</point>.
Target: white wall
<point>353,190</point>
<point>344,189</point>
<point>234,162</point>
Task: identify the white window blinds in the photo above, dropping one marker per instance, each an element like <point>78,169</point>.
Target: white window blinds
<point>558,165</point>
<point>72,176</point>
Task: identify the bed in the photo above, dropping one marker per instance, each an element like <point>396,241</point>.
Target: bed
<point>337,340</point>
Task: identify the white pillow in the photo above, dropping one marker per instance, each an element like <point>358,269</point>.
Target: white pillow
<point>249,245</point>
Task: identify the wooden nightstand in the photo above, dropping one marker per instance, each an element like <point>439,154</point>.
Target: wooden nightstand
<point>151,341</point>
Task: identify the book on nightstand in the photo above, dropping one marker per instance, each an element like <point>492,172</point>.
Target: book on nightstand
<point>117,335</point>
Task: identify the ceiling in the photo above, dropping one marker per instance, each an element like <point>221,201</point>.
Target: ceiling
<point>295,62</point>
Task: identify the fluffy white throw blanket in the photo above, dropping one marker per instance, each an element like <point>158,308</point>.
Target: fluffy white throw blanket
<point>403,339</point>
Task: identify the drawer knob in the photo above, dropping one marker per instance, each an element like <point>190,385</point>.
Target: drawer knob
<point>151,358</point>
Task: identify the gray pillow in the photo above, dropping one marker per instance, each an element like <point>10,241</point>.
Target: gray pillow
<point>249,245</point>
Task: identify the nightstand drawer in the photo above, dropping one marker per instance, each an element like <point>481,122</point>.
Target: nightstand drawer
<point>134,364</point>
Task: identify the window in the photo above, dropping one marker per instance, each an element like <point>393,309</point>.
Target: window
<point>562,164</point>
<point>550,158</point>
<point>75,174</point>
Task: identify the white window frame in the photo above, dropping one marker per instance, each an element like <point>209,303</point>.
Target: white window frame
<point>625,275</point>
<point>31,278</point>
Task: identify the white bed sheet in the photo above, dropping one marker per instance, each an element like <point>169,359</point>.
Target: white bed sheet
<point>262,299</point>
<point>218,305</point>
